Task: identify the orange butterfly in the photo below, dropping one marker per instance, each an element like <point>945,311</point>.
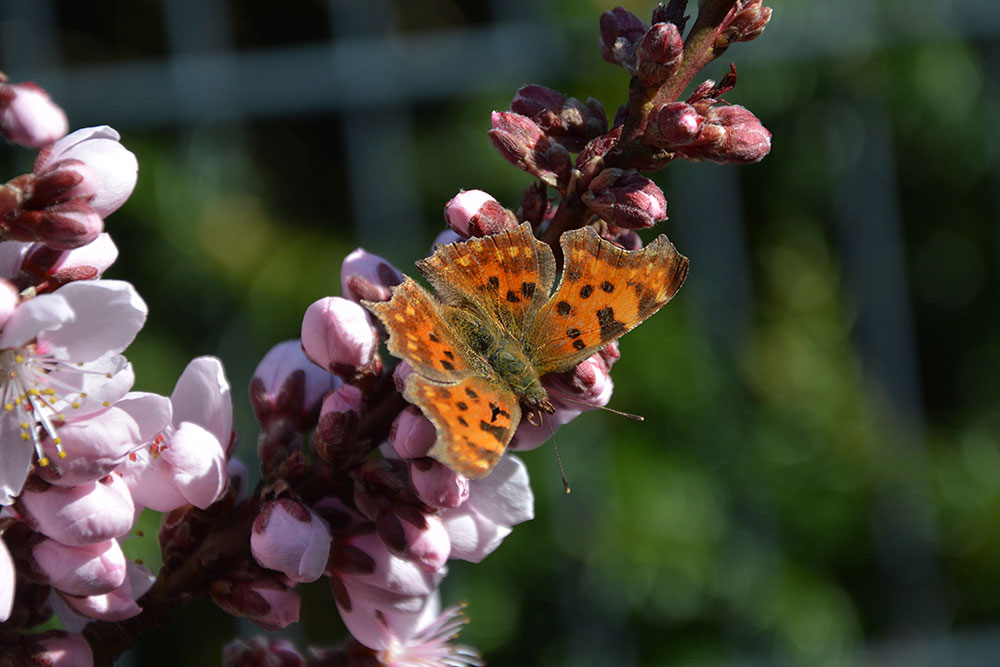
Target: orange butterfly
<point>479,349</point>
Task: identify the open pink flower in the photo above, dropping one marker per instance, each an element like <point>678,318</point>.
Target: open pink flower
<point>60,360</point>
<point>496,503</point>
<point>186,463</point>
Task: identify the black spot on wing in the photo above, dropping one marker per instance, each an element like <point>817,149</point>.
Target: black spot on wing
<point>471,394</point>
<point>447,365</point>
<point>462,405</point>
<point>607,287</point>
<point>586,291</point>
<point>579,344</point>
<point>498,432</point>
<point>434,337</point>
<point>610,327</point>
<point>497,410</point>
<point>493,282</point>
<point>573,332</point>
<point>449,354</point>
<point>512,296</point>
<point>528,289</point>
<point>563,308</point>
<point>461,420</point>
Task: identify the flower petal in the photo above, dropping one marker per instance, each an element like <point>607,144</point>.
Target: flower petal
<point>6,582</point>
<point>109,313</point>
<point>198,464</point>
<point>202,397</point>
<point>32,317</point>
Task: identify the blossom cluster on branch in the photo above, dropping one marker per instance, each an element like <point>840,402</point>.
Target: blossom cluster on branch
<point>349,493</point>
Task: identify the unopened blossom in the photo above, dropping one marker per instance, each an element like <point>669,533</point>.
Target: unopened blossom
<point>288,537</point>
<point>621,31</point>
<point>65,225</point>
<point>625,199</point>
<point>658,54</point>
<point>477,213</point>
<point>46,268</point>
<point>496,503</point>
<point>366,276</point>
<point>565,120</point>
<point>267,601</point>
<point>731,135</point>
<point>429,545</point>
<point>116,605</point>
<point>335,437</point>
<point>261,652</point>
<point>65,180</point>
<point>420,638</point>
<point>60,359</point>
<point>29,117</point>
<point>57,648</point>
<point>91,569</point>
<point>391,582</point>
<point>338,335</point>
<point>675,124</point>
<point>78,515</point>
<point>287,385</point>
<point>113,167</point>
<point>522,143</point>
<point>186,462</point>
<point>437,485</point>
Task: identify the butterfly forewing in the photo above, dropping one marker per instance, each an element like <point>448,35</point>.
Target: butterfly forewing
<point>605,291</point>
<point>506,276</point>
<point>474,418</point>
<point>419,334</point>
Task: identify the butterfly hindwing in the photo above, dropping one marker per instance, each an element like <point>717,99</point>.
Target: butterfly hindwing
<point>475,419</point>
<point>604,292</point>
<point>506,276</point>
<point>419,334</point>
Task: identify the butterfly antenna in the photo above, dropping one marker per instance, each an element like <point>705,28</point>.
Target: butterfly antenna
<point>628,415</point>
<point>562,471</point>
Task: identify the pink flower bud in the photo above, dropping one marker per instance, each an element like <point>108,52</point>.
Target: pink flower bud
<point>676,124</point>
<point>289,538</point>
<point>261,652</point>
<point>399,375</point>
<point>731,135</point>
<point>29,117</point>
<point>113,166</point>
<point>476,213</point>
<point>338,335</point>
<point>58,648</point>
<point>589,383</point>
<point>339,420</point>
<point>47,269</point>
<point>412,434</point>
<point>621,30</point>
<point>524,145</point>
<point>287,385</point>
<point>391,582</point>
<point>7,581</point>
<point>658,54</point>
<point>266,600</point>
<point>625,199</point>
<point>79,515</point>
<point>368,277</point>
<point>93,569</point>
<point>8,300</point>
<point>438,485</point>
<point>119,604</point>
<point>429,545</point>
<point>64,226</point>
<point>69,179</point>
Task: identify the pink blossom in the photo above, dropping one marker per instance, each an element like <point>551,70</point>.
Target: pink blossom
<point>417,639</point>
<point>412,435</point>
<point>186,463</point>
<point>338,335</point>
<point>58,648</point>
<point>114,167</point>
<point>45,267</point>
<point>8,300</point>
<point>496,503</point>
<point>339,420</point>
<point>96,444</point>
<point>92,569</point>
<point>261,652</point>
<point>116,605</point>
<point>286,384</point>
<point>392,583</point>
<point>78,515</point>
<point>65,347</point>
<point>364,275</point>
<point>477,213</point>
<point>429,545</point>
<point>289,538</point>
<point>438,485</point>
<point>7,580</point>
<point>29,117</point>
<point>267,601</point>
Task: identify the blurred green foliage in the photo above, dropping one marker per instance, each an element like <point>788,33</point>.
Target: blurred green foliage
<point>740,521</point>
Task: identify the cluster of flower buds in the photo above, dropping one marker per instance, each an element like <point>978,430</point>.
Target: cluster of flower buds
<point>76,182</point>
<point>83,454</point>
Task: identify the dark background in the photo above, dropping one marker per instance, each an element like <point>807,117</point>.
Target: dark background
<point>818,477</point>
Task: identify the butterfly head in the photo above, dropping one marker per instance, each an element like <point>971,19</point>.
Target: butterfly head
<point>535,406</point>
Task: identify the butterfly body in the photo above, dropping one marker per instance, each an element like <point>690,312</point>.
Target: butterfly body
<point>480,349</point>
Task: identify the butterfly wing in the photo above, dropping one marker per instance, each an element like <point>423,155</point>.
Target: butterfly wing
<point>604,292</point>
<point>506,276</point>
<point>419,333</point>
<point>474,418</point>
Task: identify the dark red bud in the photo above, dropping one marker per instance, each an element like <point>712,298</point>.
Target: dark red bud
<point>621,30</point>
<point>673,12</point>
<point>658,54</point>
<point>625,199</point>
<point>676,124</point>
<point>747,23</point>
<point>522,142</point>
<point>64,226</point>
<point>534,203</point>
<point>731,135</point>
